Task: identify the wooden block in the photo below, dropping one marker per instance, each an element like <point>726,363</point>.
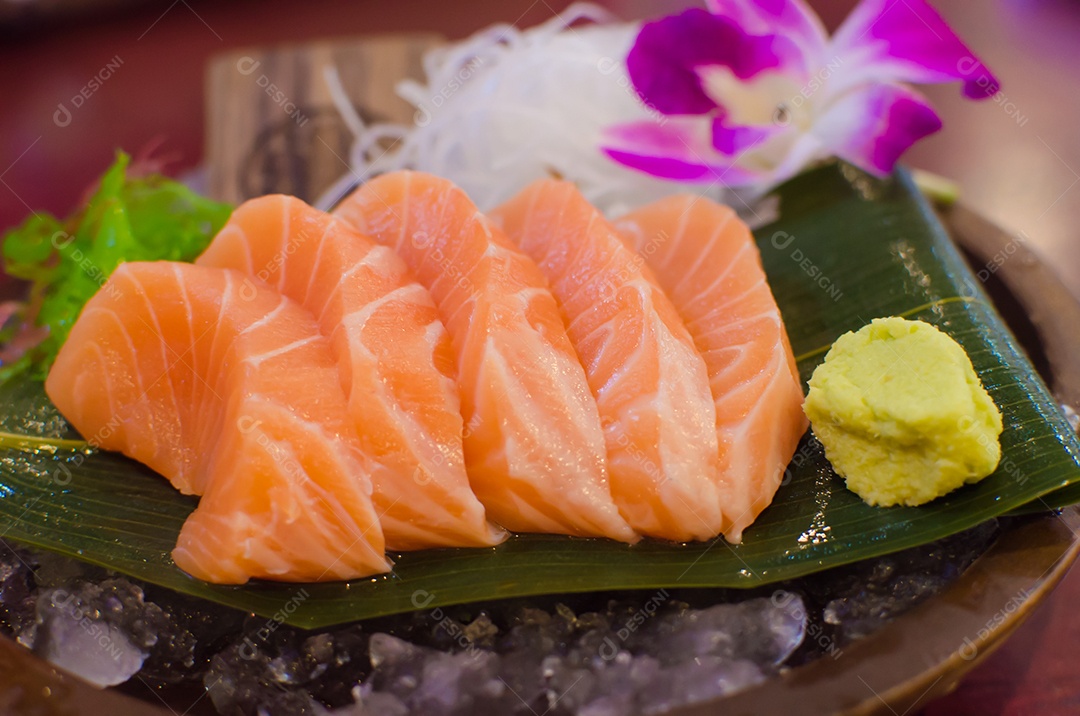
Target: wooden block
<point>271,123</point>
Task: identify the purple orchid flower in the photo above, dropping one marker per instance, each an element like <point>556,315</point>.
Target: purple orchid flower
<point>754,90</point>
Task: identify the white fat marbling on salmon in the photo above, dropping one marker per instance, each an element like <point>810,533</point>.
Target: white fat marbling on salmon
<point>393,357</point>
<point>648,380</point>
<point>706,260</point>
<point>278,476</point>
<point>534,445</point>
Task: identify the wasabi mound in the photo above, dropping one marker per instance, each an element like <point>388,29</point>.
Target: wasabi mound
<point>902,414</point>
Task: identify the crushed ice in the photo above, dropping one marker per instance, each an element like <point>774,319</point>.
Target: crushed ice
<point>589,655</point>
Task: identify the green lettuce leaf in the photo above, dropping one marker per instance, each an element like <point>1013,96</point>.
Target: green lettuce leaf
<point>66,261</point>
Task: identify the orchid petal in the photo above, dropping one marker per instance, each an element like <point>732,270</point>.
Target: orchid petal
<point>664,61</point>
<point>792,19</point>
<point>906,41</point>
<point>679,150</point>
<point>872,126</point>
<point>733,140</point>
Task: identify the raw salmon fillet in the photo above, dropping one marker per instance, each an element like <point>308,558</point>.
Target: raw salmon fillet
<point>534,446</point>
<point>229,391</point>
<point>705,259</point>
<point>648,379</point>
<point>393,354</point>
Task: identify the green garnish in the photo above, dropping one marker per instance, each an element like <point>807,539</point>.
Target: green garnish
<point>66,261</point>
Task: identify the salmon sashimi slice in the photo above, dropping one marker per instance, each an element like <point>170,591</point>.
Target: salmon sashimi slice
<point>706,260</point>
<point>534,445</point>
<point>229,391</point>
<point>648,379</point>
<point>393,354</point>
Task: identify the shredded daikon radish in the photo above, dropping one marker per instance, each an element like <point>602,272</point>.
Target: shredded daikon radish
<point>506,107</point>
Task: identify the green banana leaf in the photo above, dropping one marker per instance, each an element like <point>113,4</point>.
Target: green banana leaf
<point>846,248</point>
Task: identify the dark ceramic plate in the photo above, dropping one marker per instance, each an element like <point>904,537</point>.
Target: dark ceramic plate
<point>916,658</point>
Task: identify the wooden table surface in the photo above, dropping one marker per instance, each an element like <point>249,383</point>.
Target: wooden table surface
<point>1017,160</point>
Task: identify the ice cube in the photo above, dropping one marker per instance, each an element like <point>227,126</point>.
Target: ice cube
<point>91,648</point>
